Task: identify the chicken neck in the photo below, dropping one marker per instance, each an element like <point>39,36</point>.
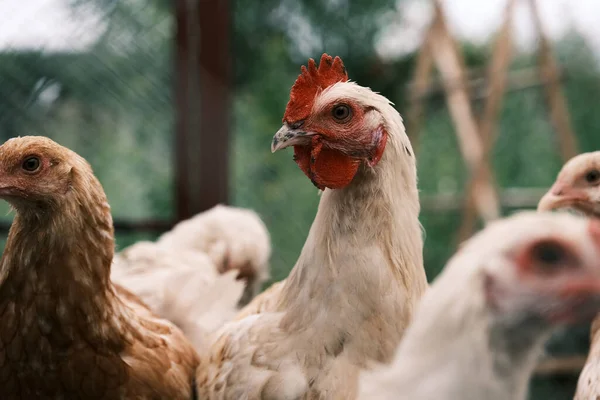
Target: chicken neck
<point>54,275</point>
<point>360,271</point>
<point>459,342</point>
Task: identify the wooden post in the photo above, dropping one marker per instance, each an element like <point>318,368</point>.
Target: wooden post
<point>559,113</point>
<point>182,68</point>
<point>215,110</point>
<point>451,66</point>
<point>203,105</point>
<point>497,79</point>
<point>422,82</point>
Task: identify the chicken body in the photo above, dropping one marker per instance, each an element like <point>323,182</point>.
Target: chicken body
<point>67,332</point>
<point>182,286</point>
<point>481,327</point>
<point>200,272</point>
<point>352,291</point>
<point>234,238</point>
<point>265,302</point>
<point>578,187</point>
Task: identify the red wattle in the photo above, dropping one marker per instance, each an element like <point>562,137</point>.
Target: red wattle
<point>326,168</point>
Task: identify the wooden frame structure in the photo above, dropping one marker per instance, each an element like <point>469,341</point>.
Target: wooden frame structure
<point>476,134</point>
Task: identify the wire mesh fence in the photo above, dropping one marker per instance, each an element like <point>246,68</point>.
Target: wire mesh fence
<point>99,79</point>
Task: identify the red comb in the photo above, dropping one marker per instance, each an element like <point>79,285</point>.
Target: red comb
<point>311,82</point>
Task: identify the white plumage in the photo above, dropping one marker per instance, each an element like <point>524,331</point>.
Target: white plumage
<point>183,287</point>
<point>577,188</point>
<point>197,274</point>
<point>234,238</point>
<point>480,328</point>
<point>352,291</point>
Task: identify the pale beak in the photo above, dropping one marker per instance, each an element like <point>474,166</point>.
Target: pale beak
<point>560,196</point>
<point>287,136</point>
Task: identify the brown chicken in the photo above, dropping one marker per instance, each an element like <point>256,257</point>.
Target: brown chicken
<point>577,187</point>
<point>352,291</point>
<point>480,329</point>
<point>67,332</point>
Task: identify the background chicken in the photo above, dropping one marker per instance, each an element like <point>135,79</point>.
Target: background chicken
<point>577,187</point>
<point>234,238</point>
<point>197,274</point>
<point>352,291</point>
<point>480,329</point>
<point>67,331</point>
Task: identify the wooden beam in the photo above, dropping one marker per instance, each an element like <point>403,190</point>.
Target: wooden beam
<point>183,50</point>
<point>122,225</point>
<point>478,85</point>
<point>449,62</point>
<point>511,198</point>
<point>497,78</point>
<point>203,76</point>
<point>215,107</point>
<point>566,365</point>
<point>559,113</point>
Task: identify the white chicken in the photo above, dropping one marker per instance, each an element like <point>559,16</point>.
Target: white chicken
<point>577,187</point>
<point>480,328</point>
<point>184,287</point>
<point>197,274</point>
<point>234,238</point>
<point>352,291</point>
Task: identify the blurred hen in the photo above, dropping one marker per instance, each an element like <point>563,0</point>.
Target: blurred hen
<point>577,187</point>
<point>480,329</point>
<point>198,274</point>
<point>234,238</point>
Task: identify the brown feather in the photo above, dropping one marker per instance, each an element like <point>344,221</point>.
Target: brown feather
<point>67,331</point>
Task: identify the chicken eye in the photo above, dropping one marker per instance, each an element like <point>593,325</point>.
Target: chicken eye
<point>592,176</point>
<point>31,164</point>
<point>342,112</point>
<point>552,255</point>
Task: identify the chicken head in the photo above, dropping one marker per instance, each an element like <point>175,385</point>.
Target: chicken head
<point>577,186</point>
<point>35,171</point>
<point>554,278</point>
<point>332,130</point>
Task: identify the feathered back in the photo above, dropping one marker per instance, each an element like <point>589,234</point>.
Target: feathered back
<point>182,286</point>
<point>232,237</point>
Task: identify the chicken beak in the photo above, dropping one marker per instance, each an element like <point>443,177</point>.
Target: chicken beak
<point>286,137</point>
<point>558,196</point>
